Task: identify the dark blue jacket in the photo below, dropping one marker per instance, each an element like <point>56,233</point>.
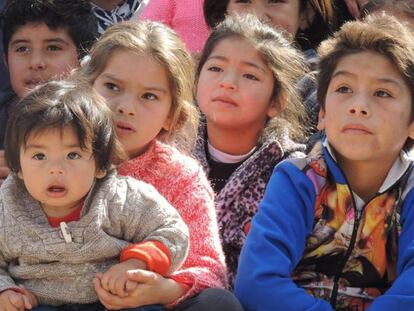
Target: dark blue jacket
<point>314,246</point>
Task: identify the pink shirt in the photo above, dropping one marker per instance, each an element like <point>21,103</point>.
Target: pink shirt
<point>184,16</point>
<point>181,180</point>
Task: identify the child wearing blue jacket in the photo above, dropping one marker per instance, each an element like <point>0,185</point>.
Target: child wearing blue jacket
<point>335,230</point>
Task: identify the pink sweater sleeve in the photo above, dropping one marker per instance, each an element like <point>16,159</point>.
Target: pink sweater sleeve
<point>182,181</point>
<point>205,264</point>
<point>186,17</point>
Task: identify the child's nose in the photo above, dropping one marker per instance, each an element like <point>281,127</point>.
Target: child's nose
<point>126,106</point>
<point>56,169</point>
<point>228,82</point>
<point>261,13</point>
<point>37,61</point>
<point>359,106</point>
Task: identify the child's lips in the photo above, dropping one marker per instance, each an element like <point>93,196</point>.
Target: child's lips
<point>225,100</point>
<point>56,191</point>
<point>124,128</point>
<point>34,82</point>
<point>356,129</point>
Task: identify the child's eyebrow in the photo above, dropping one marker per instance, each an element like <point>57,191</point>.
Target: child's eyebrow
<point>390,81</point>
<point>39,146</point>
<point>382,80</point>
<point>51,40</point>
<point>56,40</point>
<point>250,64</point>
<point>156,89</point>
<point>110,76</point>
<point>17,41</point>
<point>342,73</point>
<point>148,88</point>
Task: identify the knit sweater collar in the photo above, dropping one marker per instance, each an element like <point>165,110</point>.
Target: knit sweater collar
<point>158,153</point>
<point>279,147</point>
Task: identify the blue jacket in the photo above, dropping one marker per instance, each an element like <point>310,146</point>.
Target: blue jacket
<point>313,247</point>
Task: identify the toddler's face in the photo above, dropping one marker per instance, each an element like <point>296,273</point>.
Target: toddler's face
<point>55,170</point>
<point>37,54</point>
<point>367,115</point>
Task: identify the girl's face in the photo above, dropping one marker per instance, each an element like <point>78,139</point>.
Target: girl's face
<point>235,87</point>
<point>280,13</point>
<point>137,90</point>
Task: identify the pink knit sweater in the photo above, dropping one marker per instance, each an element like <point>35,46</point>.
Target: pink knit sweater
<point>184,16</point>
<point>181,180</point>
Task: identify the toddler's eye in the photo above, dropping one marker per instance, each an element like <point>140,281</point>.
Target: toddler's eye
<point>73,156</point>
<point>39,156</point>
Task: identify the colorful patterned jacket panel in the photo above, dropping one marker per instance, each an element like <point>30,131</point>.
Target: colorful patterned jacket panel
<point>351,254</point>
<point>289,262</point>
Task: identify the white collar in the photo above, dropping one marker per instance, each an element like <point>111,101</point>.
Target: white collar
<point>222,157</point>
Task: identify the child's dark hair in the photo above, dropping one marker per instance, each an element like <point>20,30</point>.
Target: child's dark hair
<point>380,34</point>
<point>404,6</point>
<point>284,61</point>
<point>75,16</point>
<point>59,104</point>
<point>324,22</point>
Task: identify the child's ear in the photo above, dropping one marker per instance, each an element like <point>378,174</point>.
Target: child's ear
<point>5,60</point>
<point>272,111</point>
<point>306,17</point>
<point>167,124</point>
<point>277,106</point>
<point>321,119</point>
<point>100,174</point>
<point>20,175</point>
<point>411,130</point>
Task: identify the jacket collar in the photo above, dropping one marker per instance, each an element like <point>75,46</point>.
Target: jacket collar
<point>401,164</point>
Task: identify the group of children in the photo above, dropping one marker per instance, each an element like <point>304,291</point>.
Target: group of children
<point>144,181</point>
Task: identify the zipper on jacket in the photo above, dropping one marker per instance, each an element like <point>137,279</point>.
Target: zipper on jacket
<point>358,217</point>
<point>404,180</point>
<point>348,253</point>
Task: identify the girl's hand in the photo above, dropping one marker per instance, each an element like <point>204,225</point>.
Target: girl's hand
<point>4,170</point>
<point>151,288</point>
<point>115,279</point>
<point>15,301</point>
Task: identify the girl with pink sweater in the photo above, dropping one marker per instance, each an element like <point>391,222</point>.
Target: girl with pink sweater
<point>184,16</point>
<point>145,74</point>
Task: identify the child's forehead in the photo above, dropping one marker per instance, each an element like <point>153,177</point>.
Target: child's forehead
<point>228,45</point>
<point>240,50</point>
<point>381,66</point>
<point>49,135</point>
<point>39,31</point>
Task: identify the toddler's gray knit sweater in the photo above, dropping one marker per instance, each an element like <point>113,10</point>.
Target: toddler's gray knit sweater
<point>117,211</point>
